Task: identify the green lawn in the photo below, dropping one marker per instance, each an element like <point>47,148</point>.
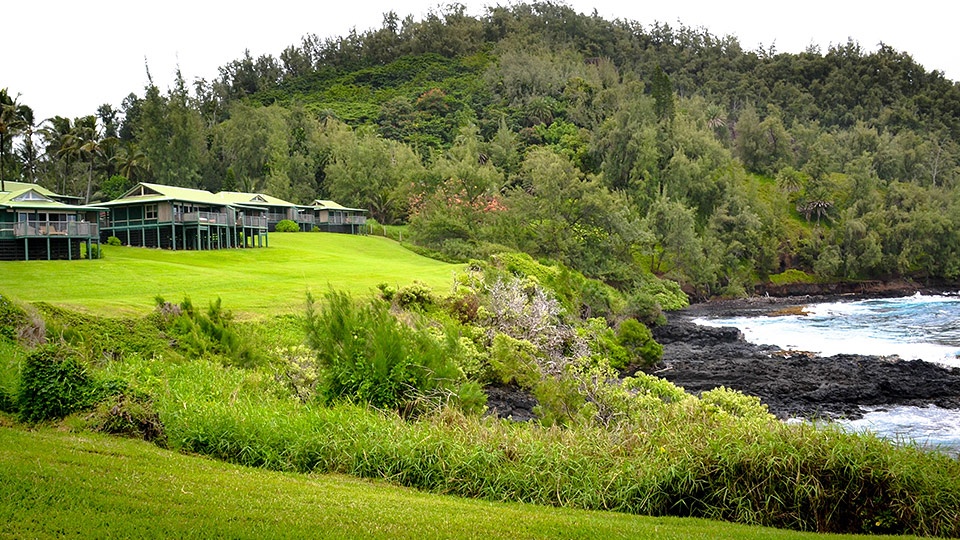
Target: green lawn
<point>253,282</point>
<point>58,484</point>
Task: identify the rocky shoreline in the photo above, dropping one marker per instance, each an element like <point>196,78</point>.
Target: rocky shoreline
<point>793,383</point>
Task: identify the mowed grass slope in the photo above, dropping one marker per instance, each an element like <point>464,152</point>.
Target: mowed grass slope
<point>250,282</point>
<point>67,485</point>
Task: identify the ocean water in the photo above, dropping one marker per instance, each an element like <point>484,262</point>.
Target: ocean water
<point>923,327</point>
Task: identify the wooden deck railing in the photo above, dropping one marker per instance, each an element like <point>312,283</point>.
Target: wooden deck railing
<point>259,222</point>
<point>70,229</point>
<point>337,219</point>
<point>209,218</point>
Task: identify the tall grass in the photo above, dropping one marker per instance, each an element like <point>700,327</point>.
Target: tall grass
<point>690,458</point>
<point>58,484</point>
<point>11,359</point>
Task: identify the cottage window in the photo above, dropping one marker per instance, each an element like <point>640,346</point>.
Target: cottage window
<point>150,211</point>
<point>31,196</point>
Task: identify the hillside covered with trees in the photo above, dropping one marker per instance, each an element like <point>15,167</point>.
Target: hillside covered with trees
<point>616,148</point>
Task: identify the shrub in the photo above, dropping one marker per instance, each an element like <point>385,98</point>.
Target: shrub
<point>464,307</point>
<point>95,251</point>
<point>12,319</point>
<point>371,357</point>
<point>8,402</point>
<point>202,334</point>
<point>523,310</point>
<point>559,401</point>
<point>514,361</point>
<point>114,241</point>
<point>53,384</point>
<point>470,398</point>
<point>604,343</point>
<point>642,305</point>
<point>598,299</point>
<point>10,361</point>
<point>286,225</point>
<point>638,341</point>
<point>791,276</point>
<point>735,403</point>
<point>128,414</point>
<point>416,296</point>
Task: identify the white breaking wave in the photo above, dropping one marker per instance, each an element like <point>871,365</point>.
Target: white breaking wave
<point>928,426</point>
<point>915,327</point>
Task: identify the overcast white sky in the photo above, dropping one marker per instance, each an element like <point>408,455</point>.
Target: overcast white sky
<point>67,58</point>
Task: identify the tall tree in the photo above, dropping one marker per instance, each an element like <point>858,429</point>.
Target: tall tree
<point>60,147</point>
<point>95,148</point>
<point>170,133</point>
<point>371,172</point>
<point>13,118</point>
<point>662,91</point>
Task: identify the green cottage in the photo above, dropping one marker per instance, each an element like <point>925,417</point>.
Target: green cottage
<point>332,217</point>
<point>167,217</point>
<point>36,224</point>
<point>277,209</point>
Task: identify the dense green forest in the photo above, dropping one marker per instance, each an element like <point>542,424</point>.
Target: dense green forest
<point>616,148</point>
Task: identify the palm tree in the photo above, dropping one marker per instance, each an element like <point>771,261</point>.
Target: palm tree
<point>92,149</point>
<point>791,180</point>
<point>13,117</point>
<point>61,145</point>
<point>817,204</point>
<point>715,117</point>
<point>27,152</point>
<point>131,162</point>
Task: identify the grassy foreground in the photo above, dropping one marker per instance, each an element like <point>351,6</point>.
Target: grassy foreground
<point>252,282</point>
<point>64,485</point>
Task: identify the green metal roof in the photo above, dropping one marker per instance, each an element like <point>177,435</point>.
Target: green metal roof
<point>20,186</point>
<point>11,186</point>
<point>330,205</point>
<point>32,198</point>
<point>146,192</point>
<point>239,197</point>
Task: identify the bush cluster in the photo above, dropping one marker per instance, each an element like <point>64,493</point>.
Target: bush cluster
<point>588,297</point>
<point>369,356</point>
<point>53,384</point>
<point>95,251</point>
<point>129,414</point>
<point>286,225</point>
<point>211,333</point>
